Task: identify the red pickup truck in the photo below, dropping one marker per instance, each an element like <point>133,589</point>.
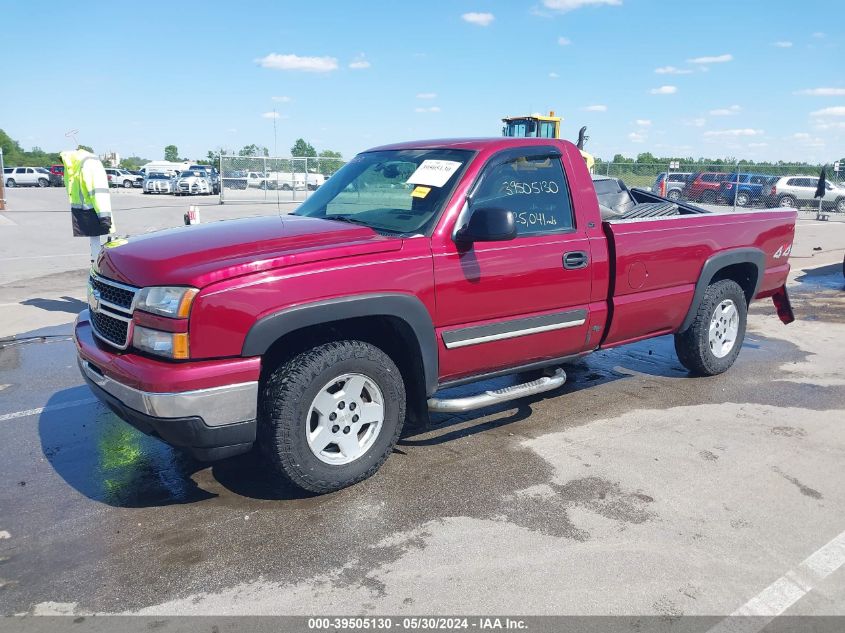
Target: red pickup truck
<point>418,266</point>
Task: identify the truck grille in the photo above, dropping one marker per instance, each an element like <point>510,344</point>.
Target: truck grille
<point>120,296</point>
<point>110,329</point>
<point>111,304</point>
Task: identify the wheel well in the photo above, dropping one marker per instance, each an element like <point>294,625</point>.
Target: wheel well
<point>390,334</point>
<point>745,274</point>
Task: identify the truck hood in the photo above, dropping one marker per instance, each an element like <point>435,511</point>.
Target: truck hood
<point>200,255</point>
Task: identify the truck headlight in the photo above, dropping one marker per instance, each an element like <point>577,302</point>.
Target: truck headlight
<point>167,344</point>
<point>169,301</point>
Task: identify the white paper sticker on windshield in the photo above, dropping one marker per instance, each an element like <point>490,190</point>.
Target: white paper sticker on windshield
<point>434,173</point>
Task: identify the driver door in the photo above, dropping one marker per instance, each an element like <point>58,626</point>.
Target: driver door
<point>509,303</point>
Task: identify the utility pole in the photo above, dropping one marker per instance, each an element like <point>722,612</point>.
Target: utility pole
<point>2,183</point>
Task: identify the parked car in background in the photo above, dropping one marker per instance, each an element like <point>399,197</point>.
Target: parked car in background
<point>256,179</point>
<point>58,171</point>
<point>674,188</point>
<point>193,182</point>
<point>703,186</point>
<point>798,191</point>
<point>159,182</point>
<point>314,181</point>
<point>122,178</point>
<point>26,177</point>
<point>235,179</point>
<point>746,189</point>
<point>210,174</point>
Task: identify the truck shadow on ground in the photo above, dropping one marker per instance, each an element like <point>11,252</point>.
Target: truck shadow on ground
<point>63,304</point>
<point>109,461</point>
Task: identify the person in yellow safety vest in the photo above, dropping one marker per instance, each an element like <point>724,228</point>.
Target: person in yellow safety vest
<point>88,191</point>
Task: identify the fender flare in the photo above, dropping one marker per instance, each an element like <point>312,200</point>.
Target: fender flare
<point>407,308</point>
<point>716,263</point>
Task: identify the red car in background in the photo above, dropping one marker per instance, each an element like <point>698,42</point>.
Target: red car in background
<point>57,175</point>
<point>704,186</point>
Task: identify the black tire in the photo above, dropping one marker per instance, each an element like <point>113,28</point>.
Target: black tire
<point>286,187</point>
<point>840,205</point>
<point>43,182</point>
<point>674,195</point>
<point>11,183</point>
<point>692,345</point>
<point>788,201</point>
<point>743,199</point>
<point>285,399</point>
<point>127,184</point>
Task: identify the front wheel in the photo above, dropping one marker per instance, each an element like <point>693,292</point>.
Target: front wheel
<point>43,182</point>
<point>787,201</point>
<point>840,205</point>
<point>711,344</point>
<point>127,184</point>
<point>330,416</point>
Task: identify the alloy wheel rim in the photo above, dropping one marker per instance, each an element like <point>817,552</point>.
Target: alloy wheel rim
<point>724,328</point>
<point>345,419</point>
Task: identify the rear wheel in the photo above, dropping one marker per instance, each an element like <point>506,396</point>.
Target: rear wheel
<point>674,195</point>
<point>840,205</point>
<point>11,183</point>
<point>711,344</point>
<point>743,199</point>
<point>330,416</point>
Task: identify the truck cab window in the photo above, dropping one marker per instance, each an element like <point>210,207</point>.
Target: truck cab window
<point>534,189</point>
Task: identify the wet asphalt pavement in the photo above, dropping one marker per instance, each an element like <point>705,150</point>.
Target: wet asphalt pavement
<point>635,489</point>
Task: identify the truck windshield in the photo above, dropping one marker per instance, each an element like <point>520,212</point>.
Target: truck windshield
<point>398,191</point>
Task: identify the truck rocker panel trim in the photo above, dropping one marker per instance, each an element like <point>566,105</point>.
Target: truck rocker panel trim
<point>511,329</point>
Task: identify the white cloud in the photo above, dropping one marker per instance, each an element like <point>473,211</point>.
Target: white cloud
<point>830,125</point>
<point>698,122</point>
<point>671,70</point>
<point>782,44</point>
<point>747,131</point>
<point>271,115</point>
<point>643,122</point>
<point>479,19</point>
<point>282,99</point>
<point>798,136</point>
<point>712,59</point>
<point>637,137</point>
<point>428,109</point>
<point>823,92</point>
<point>725,111</point>
<point>426,95</point>
<point>562,6</point>
<point>564,41</point>
<point>360,62</point>
<point>758,145</point>
<point>834,111</point>
<point>596,108</point>
<point>664,90</point>
<point>553,75</point>
<point>819,35</point>
<point>275,61</point>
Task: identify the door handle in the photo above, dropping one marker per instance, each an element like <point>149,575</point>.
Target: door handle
<point>574,260</point>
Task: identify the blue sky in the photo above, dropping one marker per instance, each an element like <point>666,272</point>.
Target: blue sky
<point>762,79</point>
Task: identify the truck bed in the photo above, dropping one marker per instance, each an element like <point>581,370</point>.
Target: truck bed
<point>657,261</point>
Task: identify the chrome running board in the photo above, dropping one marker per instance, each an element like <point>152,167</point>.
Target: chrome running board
<point>469,403</point>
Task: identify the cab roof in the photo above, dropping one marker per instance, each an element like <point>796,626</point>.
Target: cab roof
<point>493,144</point>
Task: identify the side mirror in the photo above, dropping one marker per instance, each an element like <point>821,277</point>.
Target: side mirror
<point>488,224</point>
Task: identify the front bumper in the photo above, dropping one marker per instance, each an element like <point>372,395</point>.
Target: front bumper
<point>211,423</point>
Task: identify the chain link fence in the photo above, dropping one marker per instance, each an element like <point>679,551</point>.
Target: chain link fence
<point>273,179</point>
<point>738,186</point>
